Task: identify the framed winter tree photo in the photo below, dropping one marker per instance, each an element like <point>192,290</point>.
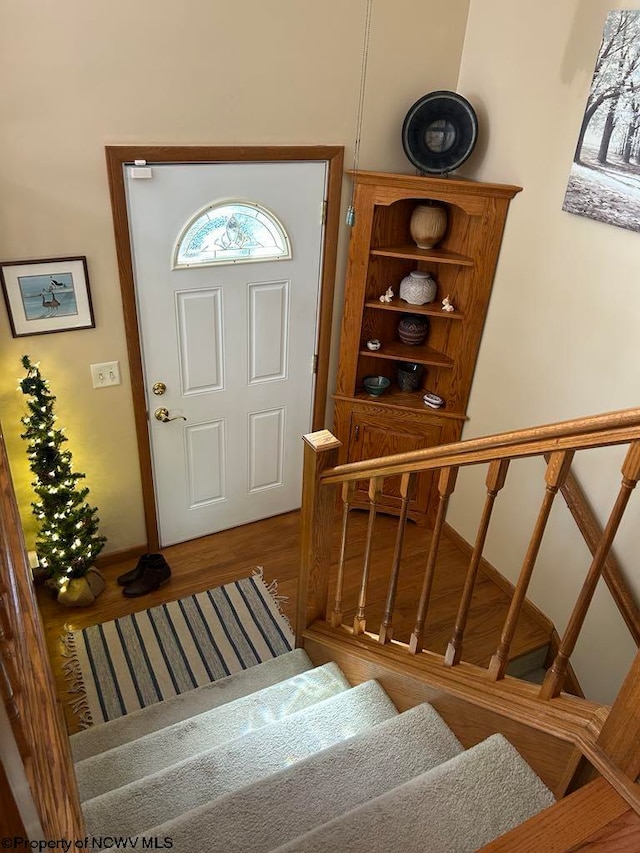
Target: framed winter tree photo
<point>604,182</point>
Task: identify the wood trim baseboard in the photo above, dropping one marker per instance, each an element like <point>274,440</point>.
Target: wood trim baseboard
<point>113,557</point>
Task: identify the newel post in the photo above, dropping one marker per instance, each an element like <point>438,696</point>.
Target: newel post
<point>318,513</point>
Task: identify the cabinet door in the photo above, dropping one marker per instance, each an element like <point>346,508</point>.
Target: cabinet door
<point>372,436</point>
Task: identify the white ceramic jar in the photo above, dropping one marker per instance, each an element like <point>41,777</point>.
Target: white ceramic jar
<point>418,287</point>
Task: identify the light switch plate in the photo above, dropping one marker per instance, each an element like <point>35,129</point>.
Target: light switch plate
<point>105,374</point>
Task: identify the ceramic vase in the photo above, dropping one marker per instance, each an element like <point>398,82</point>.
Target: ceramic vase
<point>428,224</point>
<point>418,287</point>
<point>408,375</point>
<point>413,329</point>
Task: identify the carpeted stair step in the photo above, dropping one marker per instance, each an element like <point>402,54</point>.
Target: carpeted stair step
<point>275,809</point>
<point>535,676</point>
<point>161,749</point>
<point>520,667</point>
<point>106,736</point>
<point>455,808</point>
<point>136,807</point>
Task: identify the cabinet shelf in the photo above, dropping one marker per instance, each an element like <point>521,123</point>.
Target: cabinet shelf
<point>417,354</point>
<point>440,256</point>
<point>395,399</point>
<point>432,309</point>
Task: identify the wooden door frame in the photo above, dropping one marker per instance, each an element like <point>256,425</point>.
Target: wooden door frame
<point>119,155</point>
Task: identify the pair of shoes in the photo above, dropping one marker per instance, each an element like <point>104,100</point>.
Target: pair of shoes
<point>150,573</point>
<point>134,574</point>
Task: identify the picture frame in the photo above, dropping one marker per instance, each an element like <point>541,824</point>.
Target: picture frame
<point>46,296</point>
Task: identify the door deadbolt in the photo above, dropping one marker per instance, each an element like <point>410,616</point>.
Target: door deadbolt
<point>162,414</point>
<point>159,388</point>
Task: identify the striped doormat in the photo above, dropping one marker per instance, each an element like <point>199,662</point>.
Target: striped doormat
<point>120,666</point>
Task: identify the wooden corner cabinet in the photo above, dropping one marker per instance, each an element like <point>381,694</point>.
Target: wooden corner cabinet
<point>381,253</point>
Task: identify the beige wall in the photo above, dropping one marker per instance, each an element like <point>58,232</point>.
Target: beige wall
<point>561,338</point>
<point>77,76</point>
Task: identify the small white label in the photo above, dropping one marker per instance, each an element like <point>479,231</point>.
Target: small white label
<point>138,172</point>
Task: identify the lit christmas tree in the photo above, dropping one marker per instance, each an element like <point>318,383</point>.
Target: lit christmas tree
<point>68,540</point>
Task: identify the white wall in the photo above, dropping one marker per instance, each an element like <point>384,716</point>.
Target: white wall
<point>79,75</point>
<point>561,338</point>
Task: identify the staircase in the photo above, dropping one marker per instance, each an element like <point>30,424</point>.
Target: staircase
<point>294,755</point>
<point>288,757</point>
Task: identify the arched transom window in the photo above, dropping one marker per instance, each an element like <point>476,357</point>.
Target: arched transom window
<point>231,232</point>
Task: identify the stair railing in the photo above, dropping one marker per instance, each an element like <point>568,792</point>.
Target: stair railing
<point>27,687</point>
<point>558,442</point>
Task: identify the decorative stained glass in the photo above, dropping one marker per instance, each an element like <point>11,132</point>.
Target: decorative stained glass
<point>232,232</point>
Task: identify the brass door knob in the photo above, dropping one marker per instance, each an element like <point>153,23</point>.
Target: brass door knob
<point>159,388</point>
<point>162,414</point>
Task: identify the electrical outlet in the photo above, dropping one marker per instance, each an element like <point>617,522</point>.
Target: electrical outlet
<point>103,375</point>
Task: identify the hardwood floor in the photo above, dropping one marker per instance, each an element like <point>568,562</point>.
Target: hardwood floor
<point>274,544</point>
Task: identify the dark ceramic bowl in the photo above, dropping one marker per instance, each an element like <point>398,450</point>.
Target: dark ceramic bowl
<point>375,385</point>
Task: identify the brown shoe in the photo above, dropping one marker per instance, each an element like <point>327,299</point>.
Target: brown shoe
<point>156,571</point>
<point>134,574</point>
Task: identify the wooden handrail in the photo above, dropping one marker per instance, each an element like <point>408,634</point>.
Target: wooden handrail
<point>612,573</point>
<point>39,722</point>
<point>627,788</point>
<point>615,428</point>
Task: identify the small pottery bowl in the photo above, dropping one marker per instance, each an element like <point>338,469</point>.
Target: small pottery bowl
<point>375,385</point>
<point>374,344</point>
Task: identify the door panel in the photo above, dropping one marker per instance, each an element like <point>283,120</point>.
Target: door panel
<point>233,343</point>
<point>268,331</point>
<point>205,458</point>
<point>200,341</point>
<point>266,449</point>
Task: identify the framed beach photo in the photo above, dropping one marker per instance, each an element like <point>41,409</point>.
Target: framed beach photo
<point>47,296</point>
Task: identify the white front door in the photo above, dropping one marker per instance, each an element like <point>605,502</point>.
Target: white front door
<point>233,341</point>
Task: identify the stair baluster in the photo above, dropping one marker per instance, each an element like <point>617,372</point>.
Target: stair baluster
<point>348,491</point>
<point>446,485</point>
<point>555,475</point>
<point>359,620</point>
<point>386,628</point>
<point>554,680</point>
<point>496,477</point>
